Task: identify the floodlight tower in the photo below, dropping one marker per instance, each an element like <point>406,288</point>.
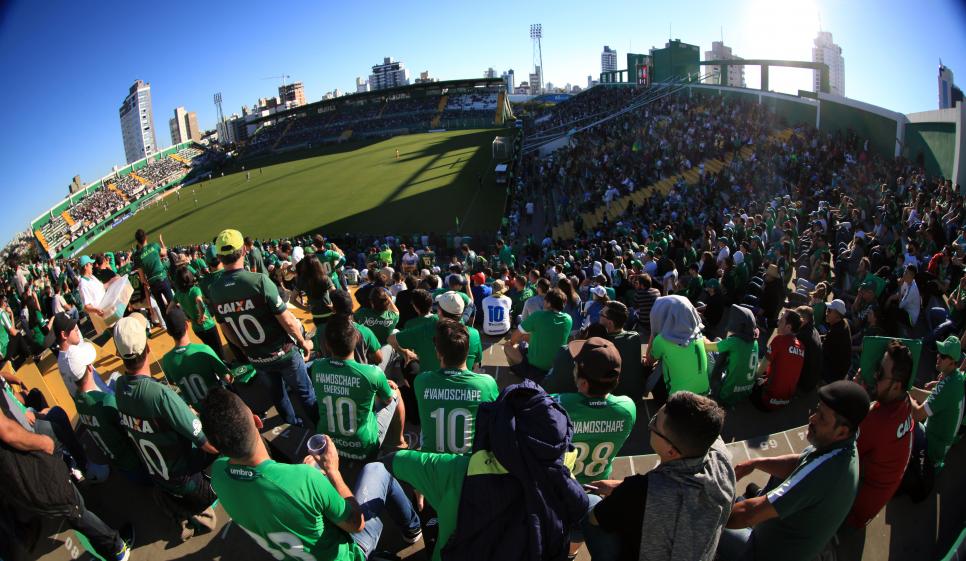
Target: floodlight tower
<point>221,115</point>
<point>536,33</point>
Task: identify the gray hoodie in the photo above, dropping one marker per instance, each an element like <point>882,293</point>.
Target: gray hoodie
<point>688,503</point>
<point>675,318</point>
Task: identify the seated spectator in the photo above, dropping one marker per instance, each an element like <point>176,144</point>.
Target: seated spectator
<point>809,494</point>
<point>739,351</point>
<point>592,309</point>
<point>451,307</point>
<point>613,318</point>
<point>480,291</point>
<point>511,499</point>
<point>885,436</point>
<point>677,343</point>
<point>187,295</point>
<point>74,354</point>
<point>602,422</point>
<point>449,397</point>
<point>496,311</point>
<point>942,413</point>
<point>379,314</point>
<point>546,331</point>
<point>346,393</point>
<point>677,510</point>
<point>193,368</point>
<point>535,302</point>
<point>811,342</point>
<point>782,366</point>
<point>305,508</point>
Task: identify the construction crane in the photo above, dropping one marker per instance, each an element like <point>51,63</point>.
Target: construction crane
<point>283,77</point>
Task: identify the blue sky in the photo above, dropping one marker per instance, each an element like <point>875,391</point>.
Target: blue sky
<point>67,65</point>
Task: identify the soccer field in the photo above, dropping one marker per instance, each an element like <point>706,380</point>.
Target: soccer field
<point>438,178</point>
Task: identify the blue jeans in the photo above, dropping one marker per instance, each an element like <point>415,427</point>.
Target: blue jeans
<point>291,373</point>
<point>376,491</point>
<point>735,545</point>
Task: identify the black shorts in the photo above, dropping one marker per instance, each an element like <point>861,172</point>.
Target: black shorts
<point>526,370</point>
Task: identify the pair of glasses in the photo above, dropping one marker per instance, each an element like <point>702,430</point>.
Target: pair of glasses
<point>651,426</point>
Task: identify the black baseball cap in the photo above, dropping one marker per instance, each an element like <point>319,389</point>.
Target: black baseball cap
<point>847,399</point>
<point>63,324</point>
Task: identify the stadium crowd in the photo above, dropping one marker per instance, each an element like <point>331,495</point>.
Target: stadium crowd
<point>812,269</point>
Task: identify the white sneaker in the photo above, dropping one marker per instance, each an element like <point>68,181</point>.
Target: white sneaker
<point>97,473</point>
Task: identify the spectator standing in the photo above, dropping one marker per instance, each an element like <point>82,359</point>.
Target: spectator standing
<point>677,510</point>
<point>165,431</point>
<point>809,494</point>
<point>260,324</point>
<point>188,296</point>
<point>942,411</point>
<point>837,344</point>
<point>379,314</point>
<point>147,261</point>
<point>811,342</point>
<point>254,261</point>
<point>677,343</point>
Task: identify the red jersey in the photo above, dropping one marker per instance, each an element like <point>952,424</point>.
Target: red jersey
<point>884,444</point>
<point>786,355</point>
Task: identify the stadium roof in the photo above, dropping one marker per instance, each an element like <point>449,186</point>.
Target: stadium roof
<point>425,87</point>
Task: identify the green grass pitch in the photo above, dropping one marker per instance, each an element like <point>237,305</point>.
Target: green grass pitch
<point>438,178</point>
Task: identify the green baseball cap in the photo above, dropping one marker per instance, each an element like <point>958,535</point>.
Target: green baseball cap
<point>950,347</point>
<point>85,260</point>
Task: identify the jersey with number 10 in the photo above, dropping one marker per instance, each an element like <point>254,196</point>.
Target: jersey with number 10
<point>345,391</point>
<point>601,425</point>
<point>496,314</point>
<point>448,400</point>
<point>194,369</point>
<point>248,303</point>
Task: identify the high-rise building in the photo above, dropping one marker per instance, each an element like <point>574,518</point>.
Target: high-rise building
<point>946,86</point>
<point>736,74</point>
<point>194,131</point>
<point>489,73</point>
<point>137,123</point>
<point>293,92</point>
<point>390,74</point>
<point>184,126</point>
<point>535,80</point>
<point>831,54</point>
<point>510,80</point>
<point>361,85</point>
<point>424,78</point>
<point>608,59</point>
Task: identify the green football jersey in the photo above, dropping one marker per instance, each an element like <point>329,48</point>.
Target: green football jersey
<point>418,336</point>
<point>248,303</point>
<point>548,332</point>
<point>194,369</point>
<point>448,399</point>
<point>188,302</point>
<point>475,354</point>
<point>331,261</point>
<point>165,431</point>
<point>742,365</point>
<point>5,324</point>
<point>148,259</point>
<point>291,511</point>
<point>945,409</point>
<point>381,323</point>
<point>601,425</point>
<point>345,392</point>
<point>98,412</point>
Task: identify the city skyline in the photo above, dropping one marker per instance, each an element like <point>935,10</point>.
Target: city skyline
<point>572,41</point>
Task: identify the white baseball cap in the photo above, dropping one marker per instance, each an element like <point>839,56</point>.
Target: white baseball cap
<point>79,357</point>
<point>130,336</point>
<point>599,291</point>
<point>838,306</point>
<point>450,302</point>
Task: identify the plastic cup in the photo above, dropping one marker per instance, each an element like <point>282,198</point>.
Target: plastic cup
<point>316,445</point>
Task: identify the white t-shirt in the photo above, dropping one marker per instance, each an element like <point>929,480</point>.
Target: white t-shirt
<point>91,290</point>
<point>496,314</point>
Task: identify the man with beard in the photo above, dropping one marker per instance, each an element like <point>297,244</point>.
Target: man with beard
<point>809,494</point>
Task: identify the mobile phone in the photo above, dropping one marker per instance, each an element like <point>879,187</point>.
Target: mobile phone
<point>589,488</point>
